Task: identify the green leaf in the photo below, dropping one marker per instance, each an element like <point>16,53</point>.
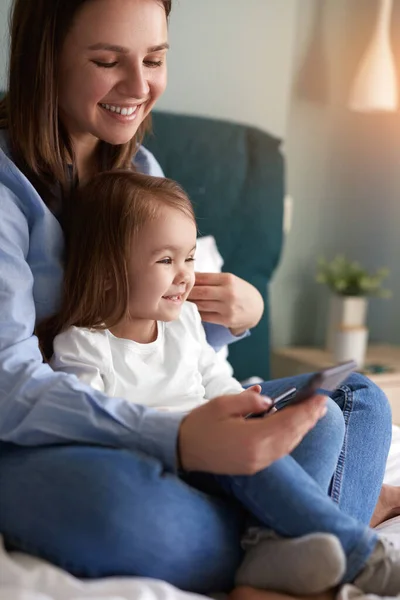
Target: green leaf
<point>349,278</point>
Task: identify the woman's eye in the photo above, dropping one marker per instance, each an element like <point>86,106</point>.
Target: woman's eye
<point>153,64</point>
<point>105,65</point>
<point>190,259</point>
<point>165,261</point>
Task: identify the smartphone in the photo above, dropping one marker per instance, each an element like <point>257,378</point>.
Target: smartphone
<point>327,379</point>
<point>290,393</point>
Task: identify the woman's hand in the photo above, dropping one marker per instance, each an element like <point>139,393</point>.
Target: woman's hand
<point>225,299</point>
<point>257,388</point>
<point>216,438</point>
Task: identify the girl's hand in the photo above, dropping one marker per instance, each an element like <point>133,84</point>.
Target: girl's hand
<point>225,299</point>
<point>215,437</point>
<point>254,388</point>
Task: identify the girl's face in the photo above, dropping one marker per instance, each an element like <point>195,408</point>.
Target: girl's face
<point>161,269</point>
<point>112,69</point>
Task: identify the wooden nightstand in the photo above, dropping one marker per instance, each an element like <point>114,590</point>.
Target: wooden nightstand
<point>297,360</point>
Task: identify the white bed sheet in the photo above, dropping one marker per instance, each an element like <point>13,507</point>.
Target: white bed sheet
<point>391,528</point>
<point>392,475</point>
<point>25,578</point>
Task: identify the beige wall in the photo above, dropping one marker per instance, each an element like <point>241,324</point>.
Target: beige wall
<point>232,59</point>
<point>343,171</point>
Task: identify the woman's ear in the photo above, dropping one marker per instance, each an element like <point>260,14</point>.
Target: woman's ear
<point>109,281</point>
<point>107,284</point>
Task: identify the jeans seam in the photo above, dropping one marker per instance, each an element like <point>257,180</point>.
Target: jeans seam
<point>337,479</point>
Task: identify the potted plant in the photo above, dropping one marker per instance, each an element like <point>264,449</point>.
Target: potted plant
<point>350,285</point>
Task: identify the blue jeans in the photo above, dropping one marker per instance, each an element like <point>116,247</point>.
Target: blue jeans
<point>285,498</point>
<point>99,512</point>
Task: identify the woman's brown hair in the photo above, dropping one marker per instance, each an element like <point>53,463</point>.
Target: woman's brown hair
<point>105,216</point>
<point>39,143</point>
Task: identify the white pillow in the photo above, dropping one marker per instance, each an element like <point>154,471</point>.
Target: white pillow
<point>208,258</point>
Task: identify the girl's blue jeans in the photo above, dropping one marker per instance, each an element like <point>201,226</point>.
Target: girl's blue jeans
<point>100,512</point>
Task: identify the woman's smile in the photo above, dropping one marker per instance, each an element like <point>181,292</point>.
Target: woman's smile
<point>121,113</point>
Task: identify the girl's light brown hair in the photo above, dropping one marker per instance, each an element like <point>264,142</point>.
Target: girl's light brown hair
<point>104,217</point>
<point>39,143</point>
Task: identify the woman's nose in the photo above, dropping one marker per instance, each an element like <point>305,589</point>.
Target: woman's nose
<point>135,85</point>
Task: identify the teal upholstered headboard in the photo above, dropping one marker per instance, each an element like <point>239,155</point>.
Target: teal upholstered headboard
<point>234,175</point>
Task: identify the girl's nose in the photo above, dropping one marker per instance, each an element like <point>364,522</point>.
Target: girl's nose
<point>183,276</point>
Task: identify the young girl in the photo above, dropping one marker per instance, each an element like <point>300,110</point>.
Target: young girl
<point>125,329</point>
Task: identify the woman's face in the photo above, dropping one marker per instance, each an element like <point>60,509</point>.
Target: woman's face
<point>112,69</point>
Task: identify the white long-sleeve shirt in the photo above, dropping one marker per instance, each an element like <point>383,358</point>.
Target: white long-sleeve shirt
<point>176,372</point>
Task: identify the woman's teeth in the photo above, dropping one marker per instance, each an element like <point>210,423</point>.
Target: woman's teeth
<point>172,297</point>
<point>125,112</point>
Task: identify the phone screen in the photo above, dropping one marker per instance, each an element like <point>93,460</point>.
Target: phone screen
<point>327,379</point>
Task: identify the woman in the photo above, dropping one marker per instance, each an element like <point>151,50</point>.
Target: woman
<point>99,473</point>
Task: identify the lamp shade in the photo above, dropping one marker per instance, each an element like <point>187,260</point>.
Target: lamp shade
<point>375,84</point>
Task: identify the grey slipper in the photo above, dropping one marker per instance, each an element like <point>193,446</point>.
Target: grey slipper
<point>310,564</point>
<point>381,574</point>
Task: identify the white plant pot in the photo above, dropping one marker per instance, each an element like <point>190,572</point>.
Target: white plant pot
<point>345,312</point>
<point>350,343</point>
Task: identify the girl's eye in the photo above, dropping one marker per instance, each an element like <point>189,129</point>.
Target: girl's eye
<point>105,65</point>
<point>190,259</point>
<point>165,261</point>
<point>153,64</point>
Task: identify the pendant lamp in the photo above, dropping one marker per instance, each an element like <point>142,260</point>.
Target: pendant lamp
<point>375,85</point>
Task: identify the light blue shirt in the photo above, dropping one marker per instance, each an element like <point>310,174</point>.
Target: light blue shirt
<point>37,405</point>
